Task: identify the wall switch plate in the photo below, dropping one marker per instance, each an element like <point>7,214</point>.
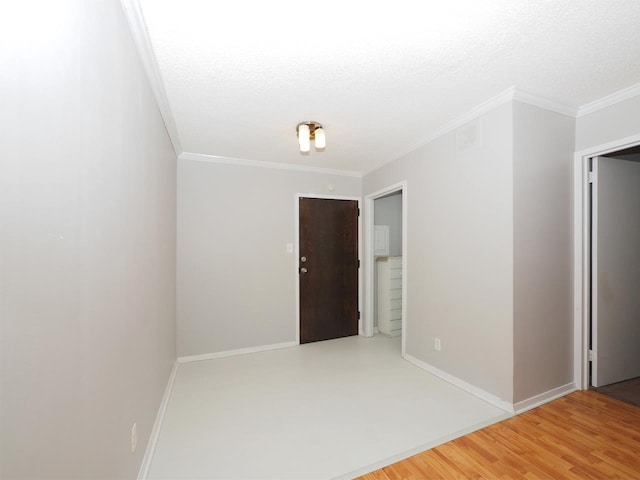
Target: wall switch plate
<point>436,344</point>
<point>134,438</point>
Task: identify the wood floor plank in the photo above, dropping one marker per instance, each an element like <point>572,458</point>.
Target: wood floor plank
<point>432,467</point>
<point>516,453</point>
<point>403,470</point>
<point>584,435</point>
<point>544,458</point>
<point>572,442</point>
<point>377,475</point>
<point>467,465</point>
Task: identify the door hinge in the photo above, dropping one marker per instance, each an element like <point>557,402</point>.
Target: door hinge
<point>590,355</point>
<point>358,263</point>
<point>358,315</point>
<point>358,212</point>
<point>590,177</point>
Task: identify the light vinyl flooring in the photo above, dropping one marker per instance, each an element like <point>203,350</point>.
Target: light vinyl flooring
<point>333,409</point>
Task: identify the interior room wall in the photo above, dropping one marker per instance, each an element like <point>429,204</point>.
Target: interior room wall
<point>87,249</point>
<point>609,124</point>
<point>460,250</point>
<point>543,236</point>
<point>634,157</point>
<point>388,211</point>
<point>236,280</point>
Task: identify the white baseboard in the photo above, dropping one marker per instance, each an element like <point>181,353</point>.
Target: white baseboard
<point>473,390</point>
<point>543,398</point>
<point>157,425</point>
<point>239,351</point>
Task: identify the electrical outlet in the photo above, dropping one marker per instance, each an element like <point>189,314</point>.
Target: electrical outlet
<point>436,344</point>
<point>134,438</point>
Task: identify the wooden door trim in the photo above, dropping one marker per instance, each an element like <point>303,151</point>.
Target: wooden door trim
<point>369,260</point>
<point>296,251</point>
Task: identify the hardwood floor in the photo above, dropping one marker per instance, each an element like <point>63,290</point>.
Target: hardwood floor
<point>584,435</point>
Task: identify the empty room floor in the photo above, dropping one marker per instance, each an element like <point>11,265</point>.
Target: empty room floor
<point>332,409</point>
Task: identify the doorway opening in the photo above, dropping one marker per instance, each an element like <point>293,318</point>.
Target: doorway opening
<point>603,244</point>
<point>386,263</point>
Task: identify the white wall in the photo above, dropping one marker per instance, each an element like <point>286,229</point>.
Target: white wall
<point>608,124</point>
<point>236,281</point>
<point>87,213</point>
<point>543,229</point>
<point>460,252</point>
<point>388,211</point>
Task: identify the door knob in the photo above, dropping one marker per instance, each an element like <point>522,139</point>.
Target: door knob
<point>303,270</point>
<point>303,259</point>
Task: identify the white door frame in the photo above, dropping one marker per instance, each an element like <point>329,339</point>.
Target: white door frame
<point>297,253</point>
<point>370,257</point>
<point>581,260</point>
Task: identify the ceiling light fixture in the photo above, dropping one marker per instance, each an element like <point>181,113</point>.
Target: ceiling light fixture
<point>308,131</point>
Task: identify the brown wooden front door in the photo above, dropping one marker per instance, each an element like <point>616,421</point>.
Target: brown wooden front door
<point>328,269</point>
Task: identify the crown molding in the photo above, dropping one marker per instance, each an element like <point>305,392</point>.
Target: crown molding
<point>199,157</point>
<point>509,95</point>
<point>604,102</point>
<point>472,114</point>
<point>138,28</point>
<point>544,103</point>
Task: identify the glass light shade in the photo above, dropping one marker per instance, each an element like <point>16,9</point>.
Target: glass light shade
<point>321,141</point>
<point>303,137</point>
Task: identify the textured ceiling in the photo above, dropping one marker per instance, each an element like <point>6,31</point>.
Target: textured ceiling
<point>380,76</point>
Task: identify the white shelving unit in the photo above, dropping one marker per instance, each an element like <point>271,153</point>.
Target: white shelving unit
<point>389,271</point>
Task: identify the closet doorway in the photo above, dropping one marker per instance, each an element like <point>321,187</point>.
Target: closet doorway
<point>607,179</point>
<point>615,275</point>
<point>386,266</point>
